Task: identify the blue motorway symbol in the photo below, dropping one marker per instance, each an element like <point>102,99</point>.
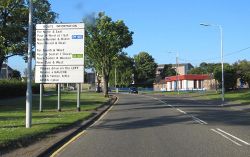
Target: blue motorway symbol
<point>77,36</point>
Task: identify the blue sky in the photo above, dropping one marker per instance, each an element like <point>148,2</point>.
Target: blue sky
<point>163,26</point>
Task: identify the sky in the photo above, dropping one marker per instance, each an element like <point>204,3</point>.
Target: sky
<point>165,28</point>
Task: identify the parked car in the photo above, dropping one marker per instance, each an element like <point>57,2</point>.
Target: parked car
<point>71,88</point>
<point>133,90</point>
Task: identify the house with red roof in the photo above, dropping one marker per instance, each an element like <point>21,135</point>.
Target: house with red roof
<point>186,82</point>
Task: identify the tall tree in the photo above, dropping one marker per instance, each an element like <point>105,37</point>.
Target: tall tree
<point>14,25</point>
<point>243,70</point>
<point>105,39</point>
<point>16,75</point>
<point>167,70</point>
<point>124,67</point>
<point>204,68</point>
<point>230,76</point>
<point>145,68</point>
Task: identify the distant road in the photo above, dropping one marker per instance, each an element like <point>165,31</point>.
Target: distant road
<point>160,126</point>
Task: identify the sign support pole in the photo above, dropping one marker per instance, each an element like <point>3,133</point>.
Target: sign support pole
<point>41,98</point>
<point>29,66</point>
<point>78,96</point>
<point>59,97</point>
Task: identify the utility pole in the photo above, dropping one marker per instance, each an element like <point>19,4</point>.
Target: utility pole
<point>29,68</point>
<point>177,74</point>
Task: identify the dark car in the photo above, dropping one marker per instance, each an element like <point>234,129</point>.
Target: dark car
<point>133,90</point>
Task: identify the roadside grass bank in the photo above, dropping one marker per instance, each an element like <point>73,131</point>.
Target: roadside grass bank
<point>233,97</point>
<point>12,116</point>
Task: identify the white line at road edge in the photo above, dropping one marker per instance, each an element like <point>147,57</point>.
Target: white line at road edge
<point>226,137</point>
<point>190,115</point>
<point>246,143</point>
<point>81,133</point>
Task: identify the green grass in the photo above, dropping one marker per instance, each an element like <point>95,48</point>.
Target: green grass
<point>12,116</point>
<point>237,97</point>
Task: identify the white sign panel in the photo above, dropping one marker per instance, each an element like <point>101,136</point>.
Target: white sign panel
<point>59,53</point>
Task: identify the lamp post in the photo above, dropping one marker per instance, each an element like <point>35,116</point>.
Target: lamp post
<point>222,60</point>
<point>29,66</point>
<point>176,70</point>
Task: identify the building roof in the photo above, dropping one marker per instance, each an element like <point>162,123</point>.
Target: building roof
<point>187,77</point>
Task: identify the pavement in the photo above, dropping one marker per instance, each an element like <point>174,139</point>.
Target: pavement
<point>155,126</point>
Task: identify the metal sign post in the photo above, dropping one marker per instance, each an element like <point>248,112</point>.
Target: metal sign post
<point>59,97</point>
<point>41,98</point>
<point>78,96</point>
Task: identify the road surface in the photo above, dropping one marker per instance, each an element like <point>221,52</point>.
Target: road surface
<point>157,126</point>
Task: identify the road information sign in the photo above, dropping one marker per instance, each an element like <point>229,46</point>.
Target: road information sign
<point>59,53</point>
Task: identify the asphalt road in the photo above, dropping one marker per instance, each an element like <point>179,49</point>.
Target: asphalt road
<point>159,126</point>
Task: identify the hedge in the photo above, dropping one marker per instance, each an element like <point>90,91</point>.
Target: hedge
<point>15,88</point>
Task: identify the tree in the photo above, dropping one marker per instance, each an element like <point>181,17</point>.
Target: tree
<point>16,75</point>
<point>167,71</point>
<point>243,70</point>
<point>204,68</point>
<point>105,39</point>
<point>145,68</point>
<point>230,76</point>
<point>14,25</point>
<point>124,66</point>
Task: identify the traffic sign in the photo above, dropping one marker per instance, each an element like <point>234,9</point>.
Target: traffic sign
<point>59,53</point>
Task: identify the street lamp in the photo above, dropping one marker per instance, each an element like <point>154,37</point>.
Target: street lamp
<point>176,70</point>
<point>221,52</point>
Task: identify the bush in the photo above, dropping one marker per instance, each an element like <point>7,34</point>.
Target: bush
<point>15,88</point>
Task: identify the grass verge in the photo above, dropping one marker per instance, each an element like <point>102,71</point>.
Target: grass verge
<point>234,97</point>
<point>12,116</point>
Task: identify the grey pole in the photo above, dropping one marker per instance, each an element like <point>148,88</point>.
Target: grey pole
<point>78,96</point>
<point>222,62</point>
<point>222,66</point>
<point>116,89</point>
<point>59,97</point>
<point>41,98</point>
<point>29,66</point>
<point>177,65</point>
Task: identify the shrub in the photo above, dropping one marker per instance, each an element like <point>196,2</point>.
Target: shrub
<point>15,88</point>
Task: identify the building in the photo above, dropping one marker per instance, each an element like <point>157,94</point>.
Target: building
<point>186,82</point>
<point>182,69</point>
<point>6,71</point>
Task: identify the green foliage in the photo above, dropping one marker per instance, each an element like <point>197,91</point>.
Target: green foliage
<point>124,70</point>
<point>204,68</point>
<point>16,75</point>
<point>145,68</point>
<point>15,88</point>
<point>167,71</point>
<point>14,25</point>
<point>243,70</point>
<point>105,39</point>
<point>230,76</point>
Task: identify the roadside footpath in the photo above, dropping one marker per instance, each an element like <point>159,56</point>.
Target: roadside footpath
<point>51,142</point>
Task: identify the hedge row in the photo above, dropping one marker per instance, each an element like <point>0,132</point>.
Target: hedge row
<point>15,88</point>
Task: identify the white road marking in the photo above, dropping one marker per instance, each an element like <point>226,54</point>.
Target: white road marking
<point>193,117</point>
<point>246,143</point>
<point>198,120</point>
<point>181,111</point>
<point>226,137</point>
